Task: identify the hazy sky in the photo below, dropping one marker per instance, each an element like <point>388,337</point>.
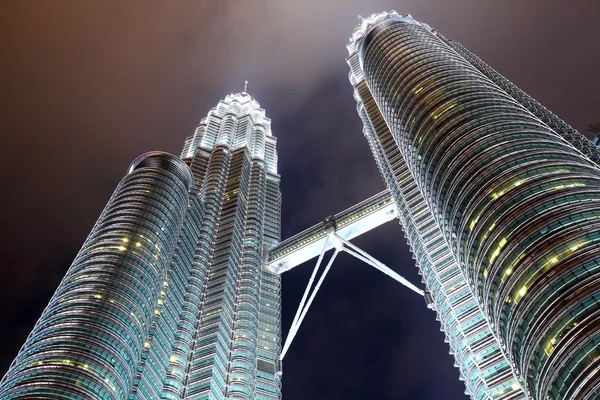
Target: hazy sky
<point>87,86</point>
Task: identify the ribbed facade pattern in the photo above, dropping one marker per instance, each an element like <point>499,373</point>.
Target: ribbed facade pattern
<point>515,201</point>
<point>559,126</point>
<point>169,296</point>
<point>482,364</point>
<point>236,338</point>
<point>91,335</point>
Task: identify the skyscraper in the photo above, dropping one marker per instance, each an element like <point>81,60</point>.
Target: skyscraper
<point>500,202</point>
<point>167,298</point>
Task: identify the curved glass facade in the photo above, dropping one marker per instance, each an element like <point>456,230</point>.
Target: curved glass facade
<point>169,297</point>
<point>559,126</point>
<point>515,201</point>
<point>482,364</point>
<point>88,339</point>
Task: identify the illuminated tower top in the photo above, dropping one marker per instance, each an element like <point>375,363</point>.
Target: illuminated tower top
<point>237,121</point>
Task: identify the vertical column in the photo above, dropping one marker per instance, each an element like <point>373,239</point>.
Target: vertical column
<point>182,304</point>
<point>191,266</point>
<point>206,363</point>
<point>242,373</point>
<point>268,383</point>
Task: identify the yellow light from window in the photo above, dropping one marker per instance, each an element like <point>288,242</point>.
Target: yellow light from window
<point>522,291</point>
<point>473,222</point>
<point>418,90</point>
<point>496,252</point>
<point>485,273</point>
<point>122,248</point>
<point>138,244</point>
<point>575,247</point>
<point>515,386</point>
<point>125,240</point>
<point>147,345</point>
<point>549,347</point>
<point>497,195</point>
<point>451,106</point>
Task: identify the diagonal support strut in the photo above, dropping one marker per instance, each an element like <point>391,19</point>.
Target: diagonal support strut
<point>366,257</point>
<point>340,244</point>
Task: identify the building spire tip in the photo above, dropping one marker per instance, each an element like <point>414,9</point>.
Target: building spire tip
<point>245,86</point>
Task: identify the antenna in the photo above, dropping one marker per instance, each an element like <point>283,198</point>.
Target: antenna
<point>245,86</point>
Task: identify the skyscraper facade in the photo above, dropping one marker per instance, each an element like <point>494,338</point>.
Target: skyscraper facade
<point>168,297</point>
<point>594,131</point>
<point>499,200</point>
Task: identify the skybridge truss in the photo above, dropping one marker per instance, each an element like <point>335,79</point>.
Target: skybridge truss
<point>334,233</point>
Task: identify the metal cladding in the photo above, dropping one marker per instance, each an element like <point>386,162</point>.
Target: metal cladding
<point>559,126</point>
<point>89,337</point>
<point>483,366</point>
<point>232,348</point>
<point>513,193</point>
<point>169,297</point>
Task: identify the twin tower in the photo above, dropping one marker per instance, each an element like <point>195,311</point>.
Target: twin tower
<point>172,295</point>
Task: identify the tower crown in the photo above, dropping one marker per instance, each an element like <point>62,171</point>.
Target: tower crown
<point>366,23</point>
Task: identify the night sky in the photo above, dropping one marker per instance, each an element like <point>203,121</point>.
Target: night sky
<point>87,86</point>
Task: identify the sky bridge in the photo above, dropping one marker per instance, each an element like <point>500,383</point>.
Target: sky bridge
<point>335,232</point>
<point>348,224</point>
